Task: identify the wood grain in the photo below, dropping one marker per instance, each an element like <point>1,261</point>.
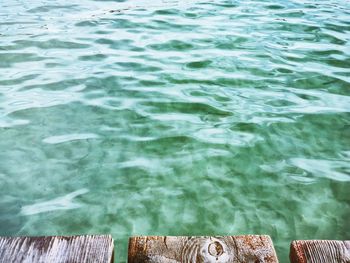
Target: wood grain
<point>57,249</point>
<point>312,251</point>
<point>226,249</point>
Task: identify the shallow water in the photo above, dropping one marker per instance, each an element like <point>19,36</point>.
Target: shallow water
<point>175,118</point>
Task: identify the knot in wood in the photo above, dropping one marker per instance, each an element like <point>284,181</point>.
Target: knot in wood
<point>215,249</point>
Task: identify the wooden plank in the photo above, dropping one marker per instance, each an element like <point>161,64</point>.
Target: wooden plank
<point>57,249</point>
<point>312,251</point>
<point>230,249</point>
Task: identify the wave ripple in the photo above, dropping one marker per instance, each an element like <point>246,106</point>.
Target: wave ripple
<point>221,116</point>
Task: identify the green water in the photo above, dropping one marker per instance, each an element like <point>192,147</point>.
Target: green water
<point>175,118</point>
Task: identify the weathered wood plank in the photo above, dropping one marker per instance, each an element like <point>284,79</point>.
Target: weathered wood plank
<point>312,251</point>
<point>230,249</point>
<point>57,249</point>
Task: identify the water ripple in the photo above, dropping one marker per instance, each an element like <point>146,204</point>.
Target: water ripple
<point>220,116</point>
<point>69,137</point>
<point>334,170</point>
<point>59,203</point>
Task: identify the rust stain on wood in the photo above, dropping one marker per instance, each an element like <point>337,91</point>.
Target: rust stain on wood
<point>221,249</point>
<point>57,249</point>
<point>312,251</point>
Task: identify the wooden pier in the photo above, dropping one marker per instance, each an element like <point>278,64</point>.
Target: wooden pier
<point>57,249</point>
<point>328,251</point>
<point>168,249</point>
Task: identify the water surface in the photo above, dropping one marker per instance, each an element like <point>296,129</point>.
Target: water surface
<point>175,118</point>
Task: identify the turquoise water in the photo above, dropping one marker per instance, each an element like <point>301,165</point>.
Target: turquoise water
<point>175,118</point>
